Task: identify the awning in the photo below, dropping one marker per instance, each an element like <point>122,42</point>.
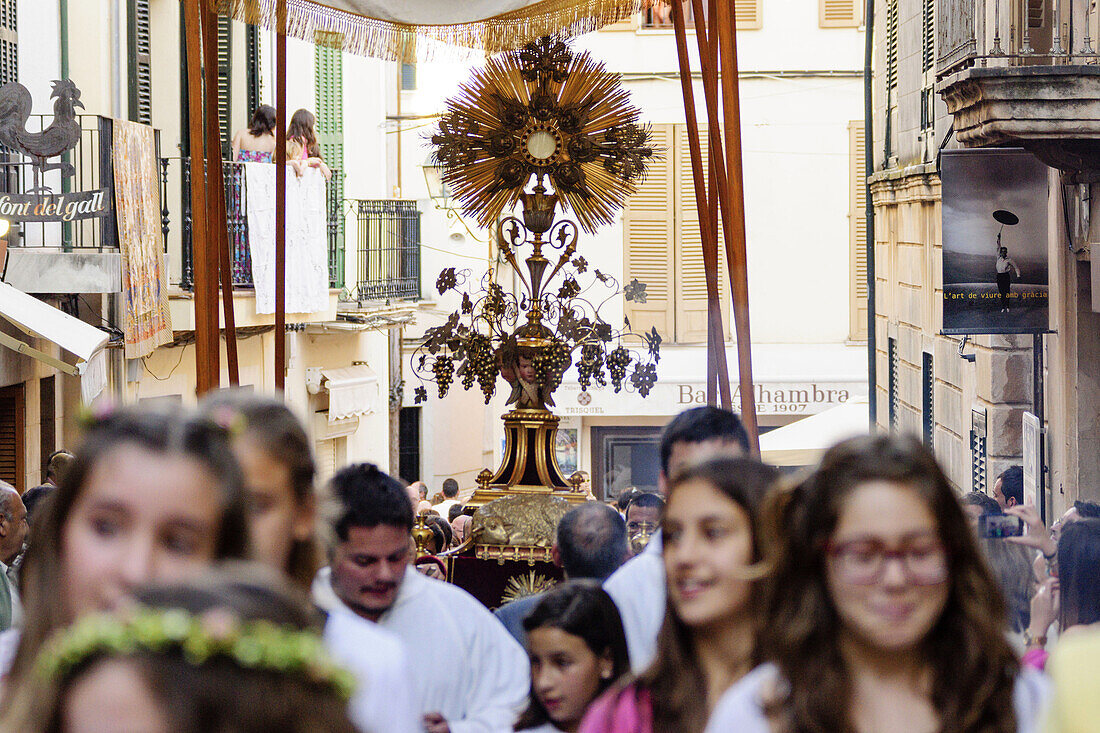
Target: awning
<point>36,318</point>
<point>395,29</point>
<point>352,391</point>
<point>803,442</point>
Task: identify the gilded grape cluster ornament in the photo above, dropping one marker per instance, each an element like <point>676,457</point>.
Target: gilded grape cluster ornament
<point>539,128</point>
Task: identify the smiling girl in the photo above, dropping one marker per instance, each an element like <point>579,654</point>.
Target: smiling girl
<point>577,649</point>
<point>708,640</point>
<point>882,614</point>
<point>149,497</point>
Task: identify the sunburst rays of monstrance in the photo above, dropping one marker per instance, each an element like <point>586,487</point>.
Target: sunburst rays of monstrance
<point>538,128</point>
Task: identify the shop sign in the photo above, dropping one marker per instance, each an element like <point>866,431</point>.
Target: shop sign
<point>54,206</point>
<point>772,398</point>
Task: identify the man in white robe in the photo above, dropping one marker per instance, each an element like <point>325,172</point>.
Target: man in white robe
<point>383,700</point>
<point>638,587</point>
<point>370,575</point>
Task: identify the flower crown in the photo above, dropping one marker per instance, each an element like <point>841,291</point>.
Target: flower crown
<point>260,645</point>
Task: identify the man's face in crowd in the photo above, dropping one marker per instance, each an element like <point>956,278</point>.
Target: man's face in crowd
<point>683,454</point>
<point>999,495</point>
<point>636,515</point>
<point>368,567</point>
<point>14,529</point>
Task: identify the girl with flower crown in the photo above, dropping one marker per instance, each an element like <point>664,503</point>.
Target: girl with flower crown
<point>149,497</point>
<point>232,650</point>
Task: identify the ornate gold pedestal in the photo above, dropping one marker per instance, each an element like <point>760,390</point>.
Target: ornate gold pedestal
<point>529,464</point>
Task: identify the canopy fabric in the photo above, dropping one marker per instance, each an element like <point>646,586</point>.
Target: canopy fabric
<point>802,443</point>
<point>390,29</point>
<point>352,391</point>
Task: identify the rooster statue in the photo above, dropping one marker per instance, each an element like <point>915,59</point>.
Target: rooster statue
<point>59,137</point>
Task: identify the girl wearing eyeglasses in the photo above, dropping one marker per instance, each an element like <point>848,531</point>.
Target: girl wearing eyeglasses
<point>881,613</point>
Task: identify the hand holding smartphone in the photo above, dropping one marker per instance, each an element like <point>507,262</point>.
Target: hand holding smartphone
<point>999,526</point>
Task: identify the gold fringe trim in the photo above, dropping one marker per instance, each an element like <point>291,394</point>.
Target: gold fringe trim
<point>366,36</point>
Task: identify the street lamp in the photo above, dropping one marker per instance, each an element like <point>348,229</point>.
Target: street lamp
<point>438,191</point>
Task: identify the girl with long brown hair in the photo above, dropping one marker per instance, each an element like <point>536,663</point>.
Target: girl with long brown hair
<point>302,149</point>
<point>276,458</point>
<point>279,471</point>
<point>149,497</point>
<point>711,548</point>
<point>881,613</point>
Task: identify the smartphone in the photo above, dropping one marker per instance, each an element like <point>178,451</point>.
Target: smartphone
<point>997,526</point>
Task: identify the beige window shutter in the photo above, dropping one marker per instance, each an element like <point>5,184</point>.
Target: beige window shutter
<point>857,232</point>
<point>326,459</point>
<point>691,282</point>
<point>650,240</point>
<point>839,13</point>
<point>749,14</point>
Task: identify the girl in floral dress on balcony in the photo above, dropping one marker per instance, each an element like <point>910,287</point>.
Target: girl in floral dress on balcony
<point>255,144</point>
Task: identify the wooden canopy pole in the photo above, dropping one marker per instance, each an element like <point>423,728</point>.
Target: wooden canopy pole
<point>205,282</point>
<point>216,229</point>
<point>280,196</point>
<point>723,32</point>
<point>717,369</point>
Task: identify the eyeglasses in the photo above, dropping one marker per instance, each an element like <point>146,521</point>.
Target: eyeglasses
<point>863,562</point>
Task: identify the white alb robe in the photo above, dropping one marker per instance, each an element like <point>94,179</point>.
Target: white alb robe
<point>383,698</point>
<point>439,623</point>
<point>638,589</point>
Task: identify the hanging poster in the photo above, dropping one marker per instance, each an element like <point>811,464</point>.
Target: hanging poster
<point>994,241</point>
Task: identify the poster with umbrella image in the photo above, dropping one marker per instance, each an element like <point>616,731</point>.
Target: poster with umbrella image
<point>994,241</point>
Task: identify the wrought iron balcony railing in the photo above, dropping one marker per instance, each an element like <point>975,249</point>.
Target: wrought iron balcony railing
<point>1007,33</point>
<point>388,254</point>
<point>93,170</point>
<point>237,227</point>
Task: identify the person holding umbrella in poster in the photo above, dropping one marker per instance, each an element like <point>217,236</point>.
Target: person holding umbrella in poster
<point>1005,264</point>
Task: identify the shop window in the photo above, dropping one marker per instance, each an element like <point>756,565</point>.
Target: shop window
<point>663,246</point>
<point>857,232</point>
<point>12,435</point>
<point>839,13</point>
<point>624,457</point>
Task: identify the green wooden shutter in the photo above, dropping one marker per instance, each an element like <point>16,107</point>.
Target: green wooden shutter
<point>225,85</point>
<point>329,86</point>
<point>252,62</point>
<point>9,42</point>
<point>139,61</point>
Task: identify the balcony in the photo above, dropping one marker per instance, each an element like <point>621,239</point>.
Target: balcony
<point>388,251</point>
<point>79,256</point>
<point>237,226</point>
<point>1023,73</point>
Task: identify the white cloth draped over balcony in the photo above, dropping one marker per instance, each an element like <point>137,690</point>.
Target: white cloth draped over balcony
<point>306,238</point>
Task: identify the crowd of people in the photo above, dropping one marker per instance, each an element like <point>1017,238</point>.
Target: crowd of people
<point>182,572</point>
